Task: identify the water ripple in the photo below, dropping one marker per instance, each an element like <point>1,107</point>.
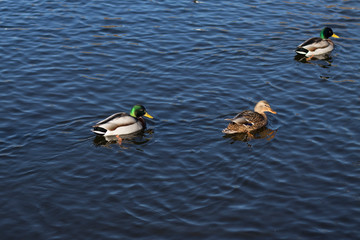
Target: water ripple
<point>67,65</point>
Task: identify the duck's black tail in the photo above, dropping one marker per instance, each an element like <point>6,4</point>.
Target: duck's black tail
<point>303,51</point>
<point>99,130</point>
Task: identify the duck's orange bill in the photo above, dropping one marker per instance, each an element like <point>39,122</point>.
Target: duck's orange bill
<point>272,111</point>
<point>335,36</point>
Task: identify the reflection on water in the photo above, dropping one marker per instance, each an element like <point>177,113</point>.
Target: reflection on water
<point>135,138</point>
<point>324,60</point>
<point>262,133</point>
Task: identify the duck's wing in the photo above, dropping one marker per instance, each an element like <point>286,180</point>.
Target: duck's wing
<point>246,117</point>
<point>116,120</point>
<point>312,44</point>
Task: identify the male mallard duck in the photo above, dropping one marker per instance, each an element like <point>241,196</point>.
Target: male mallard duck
<point>122,123</point>
<point>317,45</point>
<point>248,120</point>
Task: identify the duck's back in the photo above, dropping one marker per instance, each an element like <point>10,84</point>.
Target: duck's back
<point>113,122</point>
<point>246,121</point>
<point>251,117</point>
<point>313,44</point>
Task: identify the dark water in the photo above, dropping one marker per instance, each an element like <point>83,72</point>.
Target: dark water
<point>68,64</point>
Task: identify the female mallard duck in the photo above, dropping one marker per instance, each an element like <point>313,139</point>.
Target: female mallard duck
<point>122,123</point>
<point>317,45</point>
<point>248,120</point>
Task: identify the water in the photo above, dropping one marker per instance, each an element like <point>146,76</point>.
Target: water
<point>66,65</point>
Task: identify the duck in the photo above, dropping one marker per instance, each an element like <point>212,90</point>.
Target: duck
<point>248,121</point>
<point>122,123</point>
<point>317,45</point>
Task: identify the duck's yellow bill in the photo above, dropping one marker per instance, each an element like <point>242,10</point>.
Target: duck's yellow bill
<point>148,115</point>
<point>335,36</point>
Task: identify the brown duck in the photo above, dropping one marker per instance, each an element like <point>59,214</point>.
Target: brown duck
<point>248,120</point>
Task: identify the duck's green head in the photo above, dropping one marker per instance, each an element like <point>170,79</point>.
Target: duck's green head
<point>327,32</point>
<point>139,111</point>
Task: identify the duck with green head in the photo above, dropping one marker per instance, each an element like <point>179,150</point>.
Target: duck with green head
<point>123,123</point>
<point>317,45</point>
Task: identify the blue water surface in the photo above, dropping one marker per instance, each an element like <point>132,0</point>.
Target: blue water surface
<point>65,65</point>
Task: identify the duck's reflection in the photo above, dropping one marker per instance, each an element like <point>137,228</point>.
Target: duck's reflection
<point>135,138</point>
<point>262,133</point>
<point>324,58</point>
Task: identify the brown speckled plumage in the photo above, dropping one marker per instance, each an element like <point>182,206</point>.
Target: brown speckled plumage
<point>248,120</point>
